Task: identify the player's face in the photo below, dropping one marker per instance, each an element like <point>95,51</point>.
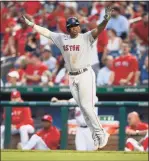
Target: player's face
<point>15,99</point>
<point>74,31</point>
<point>46,124</point>
<point>131,120</point>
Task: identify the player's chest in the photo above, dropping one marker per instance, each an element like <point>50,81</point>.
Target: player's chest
<point>48,135</point>
<point>16,113</point>
<point>72,45</point>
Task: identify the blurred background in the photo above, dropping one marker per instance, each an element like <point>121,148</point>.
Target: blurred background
<point>34,65</point>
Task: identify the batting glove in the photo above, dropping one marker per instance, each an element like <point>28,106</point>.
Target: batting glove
<point>108,11</point>
<point>29,23</point>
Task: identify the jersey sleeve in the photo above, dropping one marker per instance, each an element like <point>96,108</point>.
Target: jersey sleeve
<point>89,38</point>
<point>55,37</point>
<point>144,126</point>
<point>39,133</point>
<point>26,117</point>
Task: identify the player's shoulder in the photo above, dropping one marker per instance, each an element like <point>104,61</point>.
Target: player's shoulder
<point>64,36</point>
<point>26,108</point>
<point>39,131</point>
<point>144,124</point>
<point>86,33</point>
<point>55,129</point>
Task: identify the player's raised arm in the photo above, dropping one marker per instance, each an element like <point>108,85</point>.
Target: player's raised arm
<point>41,30</point>
<point>95,32</point>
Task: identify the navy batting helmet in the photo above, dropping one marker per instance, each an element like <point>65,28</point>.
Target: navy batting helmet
<point>72,21</point>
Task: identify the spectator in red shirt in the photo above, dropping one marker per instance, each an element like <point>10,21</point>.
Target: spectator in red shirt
<point>7,29</point>
<point>34,70</point>
<point>102,42</point>
<point>135,125</point>
<point>21,37</point>
<point>125,67</point>
<point>22,121</point>
<point>44,139</point>
<point>141,29</point>
<point>32,8</point>
<point>57,17</point>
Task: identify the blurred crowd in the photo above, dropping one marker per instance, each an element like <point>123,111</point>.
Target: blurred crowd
<point>39,62</point>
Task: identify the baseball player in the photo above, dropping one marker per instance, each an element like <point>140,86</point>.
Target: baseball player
<point>142,145</point>
<point>76,50</point>
<point>83,139</point>
<point>46,138</point>
<point>22,121</point>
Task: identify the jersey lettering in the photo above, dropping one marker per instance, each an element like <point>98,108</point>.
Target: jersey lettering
<point>71,47</point>
<point>123,63</point>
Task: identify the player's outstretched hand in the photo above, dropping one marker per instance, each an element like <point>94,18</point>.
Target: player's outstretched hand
<point>108,11</point>
<point>28,22</point>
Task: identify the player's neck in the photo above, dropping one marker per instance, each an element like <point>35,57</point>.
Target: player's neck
<point>73,36</point>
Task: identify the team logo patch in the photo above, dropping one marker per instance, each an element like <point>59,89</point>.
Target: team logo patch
<point>73,20</point>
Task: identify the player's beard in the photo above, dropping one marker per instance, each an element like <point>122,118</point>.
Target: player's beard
<point>74,34</point>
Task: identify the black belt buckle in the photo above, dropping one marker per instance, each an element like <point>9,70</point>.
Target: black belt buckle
<point>78,72</point>
<point>83,126</point>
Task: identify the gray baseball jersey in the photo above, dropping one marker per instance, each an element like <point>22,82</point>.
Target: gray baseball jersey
<point>76,51</point>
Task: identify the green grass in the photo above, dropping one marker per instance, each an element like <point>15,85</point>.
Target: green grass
<point>12,155</point>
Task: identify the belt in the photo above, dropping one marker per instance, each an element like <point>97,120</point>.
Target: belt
<point>78,72</point>
<point>84,126</point>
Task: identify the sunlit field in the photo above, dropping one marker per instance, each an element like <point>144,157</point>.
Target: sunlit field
<point>12,155</point>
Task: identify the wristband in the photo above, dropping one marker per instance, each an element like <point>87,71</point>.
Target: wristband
<point>33,25</point>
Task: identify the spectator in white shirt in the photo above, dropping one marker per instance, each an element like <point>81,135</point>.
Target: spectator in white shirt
<point>48,59</point>
<point>114,44</point>
<point>105,75</point>
<point>119,23</point>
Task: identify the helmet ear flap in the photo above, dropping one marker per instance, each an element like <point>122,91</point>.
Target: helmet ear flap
<point>68,29</point>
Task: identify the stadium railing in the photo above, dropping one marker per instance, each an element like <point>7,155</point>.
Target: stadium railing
<point>64,113</point>
<point>66,89</point>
